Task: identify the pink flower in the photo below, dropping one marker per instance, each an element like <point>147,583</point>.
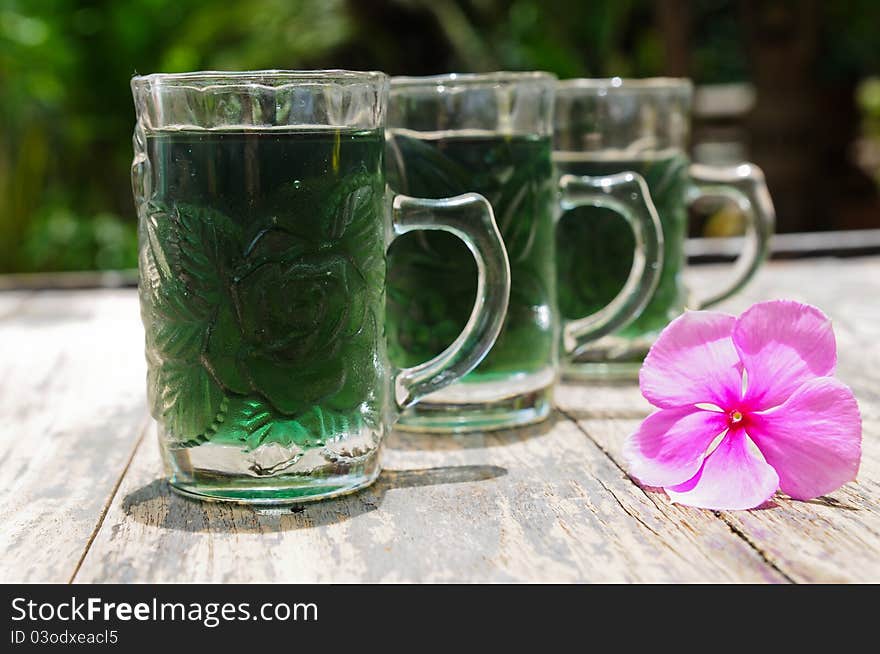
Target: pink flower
<point>746,406</point>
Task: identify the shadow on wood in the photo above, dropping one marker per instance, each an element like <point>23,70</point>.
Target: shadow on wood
<point>605,414</point>
<point>157,505</point>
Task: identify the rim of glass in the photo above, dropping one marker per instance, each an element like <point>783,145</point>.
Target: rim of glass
<point>474,79</point>
<point>627,83</point>
<point>269,77</point>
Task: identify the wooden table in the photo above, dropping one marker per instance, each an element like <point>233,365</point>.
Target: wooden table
<point>83,498</point>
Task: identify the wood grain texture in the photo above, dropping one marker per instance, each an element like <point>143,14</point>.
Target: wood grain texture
<point>71,401</point>
<point>540,504</point>
<point>834,538</point>
<point>549,503</point>
<point>829,539</point>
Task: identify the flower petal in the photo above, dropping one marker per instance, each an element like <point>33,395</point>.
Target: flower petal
<point>813,440</point>
<point>692,362</point>
<point>732,477</point>
<point>670,445</point>
<point>782,344</point>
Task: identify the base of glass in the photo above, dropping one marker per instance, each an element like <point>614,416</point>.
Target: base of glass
<point>276,490</point>
<point>456,418</point>
<point>612,358</point>
<point>612,371</point>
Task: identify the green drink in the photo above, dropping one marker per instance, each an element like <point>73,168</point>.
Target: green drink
<point>611,126</point>
<point>262,293</point>
<point>432,277</point>
<point>264,220</point>
<point>595,245</point>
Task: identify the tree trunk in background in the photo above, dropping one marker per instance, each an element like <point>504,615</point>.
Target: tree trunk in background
<point>673,19</point>
<point>784,126</point>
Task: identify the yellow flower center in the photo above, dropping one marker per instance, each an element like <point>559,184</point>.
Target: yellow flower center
<point>736,417</point>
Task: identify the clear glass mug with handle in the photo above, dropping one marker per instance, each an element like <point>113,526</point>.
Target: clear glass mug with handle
<point>604,127</point>
<point>264,220</point>
<point>492,134</point>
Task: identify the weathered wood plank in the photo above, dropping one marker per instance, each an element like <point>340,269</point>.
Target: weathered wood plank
<point>11,301</point>
<point>72,403</point>
<point>846,243</point>
<point>835,538</point>
<point>542,504</point>
<point>545,504</point>
<point>831,539</point>
<point>86,280</point>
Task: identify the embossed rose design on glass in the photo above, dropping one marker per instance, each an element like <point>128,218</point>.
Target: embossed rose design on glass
<point>263,227</point>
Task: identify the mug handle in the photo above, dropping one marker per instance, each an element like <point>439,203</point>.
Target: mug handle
<point>627,194</point>
<point>470,218</point>
<point>743,184</point>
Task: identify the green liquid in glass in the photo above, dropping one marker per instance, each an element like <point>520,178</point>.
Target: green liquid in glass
<point>595,245</point>
<point>262,264</point>
<point>432,278</point>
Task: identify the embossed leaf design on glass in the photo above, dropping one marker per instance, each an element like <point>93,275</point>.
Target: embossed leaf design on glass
<point>433,279</point>
<point>264,223</point>
<point>231,325</point>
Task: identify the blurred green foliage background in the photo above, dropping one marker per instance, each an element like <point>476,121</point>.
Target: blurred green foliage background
<point>66,114</point>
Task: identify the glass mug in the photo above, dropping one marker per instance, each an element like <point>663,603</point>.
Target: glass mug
<point>605,126</point>
<point>263,227</point>
<point>492,134</point>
